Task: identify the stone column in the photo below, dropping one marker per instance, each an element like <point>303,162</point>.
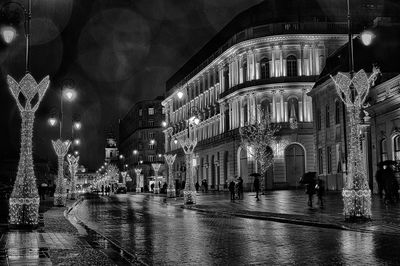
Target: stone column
<point>170,159</point>
<point>61,149</point>
<point>280,61</point>
<point>241,111</point>
<point>274,115</point>
<point>282,106</point>
<point>137,172</point>
<point>274,74</point>
<point>254,65</point>
<point>156,167</point>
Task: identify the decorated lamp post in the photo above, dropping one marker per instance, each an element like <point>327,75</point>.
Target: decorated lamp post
<point>356,193</point>
<point>60,194</point>
<point>73,167</point>
<point>156,167</point>
<point>137,172</point>
<point>189,193</point>
<point>24,200</point>
<point>170,159</point>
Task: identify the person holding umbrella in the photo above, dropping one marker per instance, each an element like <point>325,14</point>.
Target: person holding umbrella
<point>309,180</point>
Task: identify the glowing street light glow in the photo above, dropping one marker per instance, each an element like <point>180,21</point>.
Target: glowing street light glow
<point>77,141</point>
<point>77,125</point>
<point>69,94</point>
<point>121,156</point>
<point>163,124</point>
<point>135,152</point>
<point>180,94</point>
<point>76,153</point>
<point>8,34</point>
<point>175,141</point>
<point>152,142</point>
<point>52,121</point>
<point>366,37</point>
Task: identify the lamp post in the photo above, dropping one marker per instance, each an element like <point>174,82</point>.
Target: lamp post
<point>188,145</point>
<point>24,200</point>
<point>156,167</point>
<point>73,167</point>
<point>170,159</point>
<point>353,90</point>
<point>138,183</point>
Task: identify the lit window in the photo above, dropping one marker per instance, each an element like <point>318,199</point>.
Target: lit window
<point>384,156</point>
<point>264,63</point>
<point>151,123</point>
<point>151,111</point>
<point>291,66</point>
<point>140,112</point>
<point>396,144</point>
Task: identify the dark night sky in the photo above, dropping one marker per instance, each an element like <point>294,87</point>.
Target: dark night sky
<point>116,51</point>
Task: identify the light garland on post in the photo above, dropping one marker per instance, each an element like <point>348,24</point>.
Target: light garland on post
<point>356,193</point>
<point>189,193</point>
<point>24,200</point>
<point>156,167</point>
<point>170,159</point>
<point>61,149</point>
<point>73,167</point>
<point>137,172</point>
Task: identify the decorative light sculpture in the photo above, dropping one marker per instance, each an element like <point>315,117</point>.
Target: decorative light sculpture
<point>24,200</point>
<point>61,149</point>
<point>156,167</point>
<point>189,193</point>
<point>170,159</point>
<point>73,167</point>
<point>356,193</point>
<point>137,172</point>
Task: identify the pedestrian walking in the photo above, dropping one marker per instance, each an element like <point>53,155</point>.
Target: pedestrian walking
<point>310,190</point>
<point>206,185</point>
<point>256,186</point>
<point>379,179</point>
<point>232,190</point>
<point>197,186</point>
<point>320,190</point>
<point>390,185</point>
<point>240,187</point>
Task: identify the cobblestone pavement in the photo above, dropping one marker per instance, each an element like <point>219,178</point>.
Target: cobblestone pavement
<point>291,205</point>
<point>162,233</point>
<point>58,242</point>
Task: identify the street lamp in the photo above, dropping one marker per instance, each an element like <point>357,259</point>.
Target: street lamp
<point>366,37</point>
<point>77,125</point>
<point>24,200</point>
<point>77,141</point>
<point>52,121</point>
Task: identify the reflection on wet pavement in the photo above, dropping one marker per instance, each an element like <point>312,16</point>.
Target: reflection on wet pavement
<point>159,233</point>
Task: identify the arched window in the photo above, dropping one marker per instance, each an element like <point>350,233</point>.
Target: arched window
<point>244,69</point>
<point>264,64</point>
<point>384,156</point>
<point>396,148</point>
<point>291,66</point>
<point>265,106</point>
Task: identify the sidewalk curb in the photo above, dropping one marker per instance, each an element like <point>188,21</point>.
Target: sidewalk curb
<point>67,212</point>
<point>272,218</point>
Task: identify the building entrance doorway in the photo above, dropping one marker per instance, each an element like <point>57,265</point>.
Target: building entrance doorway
<point>294,161</point>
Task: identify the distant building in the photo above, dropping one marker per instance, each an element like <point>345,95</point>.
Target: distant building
<point>141,138</point>
<point>111,150</point>
<point>267,57</point>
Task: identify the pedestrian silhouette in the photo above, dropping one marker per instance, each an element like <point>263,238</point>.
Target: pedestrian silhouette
<point>256,186</point>
<point>310,190</point>
<point>379,179</point>
<point>232,190</point>
<point>320,190</point>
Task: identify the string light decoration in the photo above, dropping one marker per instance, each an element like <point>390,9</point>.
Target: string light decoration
<point>356,193</point>
<point>259,139</point>
<point>170,159</point>
<point>137,172</point>
<point>156,167</point>
<point>61,149</point>
<point>24,200</point>
<point>73,168</point>
<point>189,193</point>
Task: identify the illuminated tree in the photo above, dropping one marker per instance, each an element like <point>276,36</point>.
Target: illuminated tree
<point>73,167</point>
<point>61,149</point>
<point>258,138</point>
<point>24,200</point>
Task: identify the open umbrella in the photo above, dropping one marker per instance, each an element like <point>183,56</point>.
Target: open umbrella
<point>308,177</point>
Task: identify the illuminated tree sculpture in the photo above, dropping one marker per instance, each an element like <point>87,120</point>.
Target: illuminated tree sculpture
<point>170,159</point>
<point>189,193</point>
<point>24,200</point>
<point>137,172</point>
<point>356,193</point>
<point>258,139</point>
<point>156,167</point>
<point>60,194</point>
<point>73,168</point>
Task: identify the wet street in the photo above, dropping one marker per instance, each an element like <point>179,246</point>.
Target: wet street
<point>163,233</point>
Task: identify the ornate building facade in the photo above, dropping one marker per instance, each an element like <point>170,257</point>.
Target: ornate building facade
<point>267,58</point>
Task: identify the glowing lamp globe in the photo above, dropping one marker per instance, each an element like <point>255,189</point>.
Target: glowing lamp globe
<point>52,121</point>
<point>175,141</point>
<point>367,37</point>
<point>163,124</point>
<point>135,152</point>
<point>69,94</point>
<point>77,141</point>
<point>8,33</point>
<point>77,125</point>
<point>196,121</point>
<point>76,153</point>
<point>180,94</point>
